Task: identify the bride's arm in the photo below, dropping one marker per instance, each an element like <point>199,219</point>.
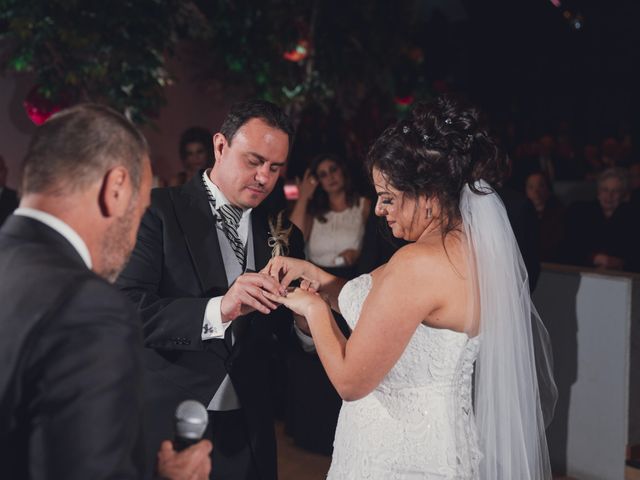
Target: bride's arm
<point>288,269</point>
<point>402,297</point>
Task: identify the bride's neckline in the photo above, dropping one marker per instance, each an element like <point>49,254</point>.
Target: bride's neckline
<point>371,277</point>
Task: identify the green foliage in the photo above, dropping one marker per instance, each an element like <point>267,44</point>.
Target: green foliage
<point>106,51</point>
<point>114,51</point>
<point>354,48</point>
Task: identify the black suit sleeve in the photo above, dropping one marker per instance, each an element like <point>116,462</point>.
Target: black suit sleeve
<point>296,249</point>
<point>171,322</point>
<point>141,280</point>
<point>84,380</point>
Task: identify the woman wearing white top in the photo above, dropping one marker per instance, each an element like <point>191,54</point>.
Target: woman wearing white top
<point>331,217</point>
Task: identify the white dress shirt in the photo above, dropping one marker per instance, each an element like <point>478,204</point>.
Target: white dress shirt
<point>212,323</point>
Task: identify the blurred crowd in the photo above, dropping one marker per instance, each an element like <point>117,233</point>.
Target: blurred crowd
<point>586,198</point>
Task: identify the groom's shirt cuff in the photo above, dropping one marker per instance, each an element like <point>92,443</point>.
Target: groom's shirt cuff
<point>212,326</point>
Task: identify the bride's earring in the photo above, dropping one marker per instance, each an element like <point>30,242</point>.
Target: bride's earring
<point>429,212</point>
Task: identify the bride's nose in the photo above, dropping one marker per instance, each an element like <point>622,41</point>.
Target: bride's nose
<point>380,209</point>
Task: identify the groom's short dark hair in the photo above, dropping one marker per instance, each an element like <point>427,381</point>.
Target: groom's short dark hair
<point>244,111</point>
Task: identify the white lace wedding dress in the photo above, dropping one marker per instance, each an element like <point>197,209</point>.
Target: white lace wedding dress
<point>418,423</point>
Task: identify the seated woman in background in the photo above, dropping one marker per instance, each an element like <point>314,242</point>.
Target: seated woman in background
<point>550,214</point>
<point>196,153</point>
<point>332,217</point>
<point>603,233</point>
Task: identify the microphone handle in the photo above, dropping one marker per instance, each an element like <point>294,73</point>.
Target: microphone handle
<point>180,443</point>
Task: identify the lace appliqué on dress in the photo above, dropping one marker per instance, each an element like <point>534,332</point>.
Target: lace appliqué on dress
<point>418,423</point>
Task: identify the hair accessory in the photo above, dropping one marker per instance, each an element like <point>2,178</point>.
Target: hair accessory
<point>448,121</point>
<point>405,129</point>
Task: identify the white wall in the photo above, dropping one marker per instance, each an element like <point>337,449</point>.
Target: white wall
<point>589,318</point>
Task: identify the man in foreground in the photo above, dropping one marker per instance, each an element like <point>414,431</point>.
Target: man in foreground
<point>70,383</point>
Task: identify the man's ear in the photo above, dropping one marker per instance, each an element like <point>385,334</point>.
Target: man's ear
<point>115,192</point>
<point>219,144</point>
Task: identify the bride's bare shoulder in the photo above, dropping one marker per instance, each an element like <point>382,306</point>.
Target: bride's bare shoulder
<point>429,255</point>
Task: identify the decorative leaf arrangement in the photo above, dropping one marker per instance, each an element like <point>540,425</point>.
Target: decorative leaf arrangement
<point>279,235</point>
<point>109,52</point>
<point>322,53</point>
<point>326,54</point>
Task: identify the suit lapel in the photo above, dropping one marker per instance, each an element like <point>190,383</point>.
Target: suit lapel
<point>196,220</point>
<point>194,215</point>
<point>261,249</point>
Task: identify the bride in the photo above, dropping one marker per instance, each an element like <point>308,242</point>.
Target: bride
<point>451,305</point>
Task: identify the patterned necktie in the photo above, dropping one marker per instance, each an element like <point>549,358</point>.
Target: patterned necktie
<point>230,220</point>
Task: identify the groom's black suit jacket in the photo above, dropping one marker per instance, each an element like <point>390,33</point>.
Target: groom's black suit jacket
<point>175,269</point>
<point>70,399</point>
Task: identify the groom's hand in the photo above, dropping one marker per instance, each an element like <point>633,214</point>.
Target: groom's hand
<point>288,269</point>
<point>247,294</point>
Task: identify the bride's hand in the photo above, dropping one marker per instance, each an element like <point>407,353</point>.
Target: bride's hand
<point>299,301</point>
<point>287,269</point>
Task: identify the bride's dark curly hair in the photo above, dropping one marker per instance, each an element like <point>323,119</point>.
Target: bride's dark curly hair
<point>436,150</point>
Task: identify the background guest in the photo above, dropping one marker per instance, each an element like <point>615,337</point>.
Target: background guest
<point>331,217</point>
<point>600,233</point>
<point>592,161</point>
<point>196,153</point>
<point>550,214</point>
<point>610,152</point>
<point>522,218</point>
<point>8,197</point>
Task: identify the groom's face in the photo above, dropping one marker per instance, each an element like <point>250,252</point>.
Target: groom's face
<point>248,166</point>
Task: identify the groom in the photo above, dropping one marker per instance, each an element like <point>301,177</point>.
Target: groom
<point>203,310</point>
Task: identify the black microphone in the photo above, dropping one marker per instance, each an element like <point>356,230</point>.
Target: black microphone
<point>191,422</point>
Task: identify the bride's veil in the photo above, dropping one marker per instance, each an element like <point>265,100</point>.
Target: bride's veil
<point>514,389</point>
